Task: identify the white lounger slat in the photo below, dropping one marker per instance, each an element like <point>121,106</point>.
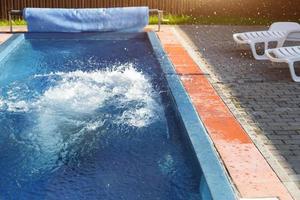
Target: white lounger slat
<point>297,49</point>
<point>278,53</point>
<point>292,52</point>
<point>294,49</point>
<point>262,34</point>
<point>267,33</point>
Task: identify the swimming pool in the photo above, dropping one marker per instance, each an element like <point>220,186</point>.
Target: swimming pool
<point>100,116</point>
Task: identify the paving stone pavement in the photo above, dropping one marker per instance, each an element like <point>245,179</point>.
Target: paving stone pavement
<point>260,94</point>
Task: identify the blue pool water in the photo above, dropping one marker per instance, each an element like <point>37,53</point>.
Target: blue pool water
<point>89,116</point>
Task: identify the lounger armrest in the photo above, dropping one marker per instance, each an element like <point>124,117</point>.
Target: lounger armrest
<point>238,39</point>
<point>272,56</point>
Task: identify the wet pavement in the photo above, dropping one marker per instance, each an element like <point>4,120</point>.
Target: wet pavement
<point>260,94</point>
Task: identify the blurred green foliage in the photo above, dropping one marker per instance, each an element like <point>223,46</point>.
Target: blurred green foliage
<point>185,19</point>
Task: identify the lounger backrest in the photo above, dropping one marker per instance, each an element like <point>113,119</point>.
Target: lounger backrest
<point>285,26</point>
<point>292,28</point>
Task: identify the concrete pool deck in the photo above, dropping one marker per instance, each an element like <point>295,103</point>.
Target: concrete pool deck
<point>244,157</point>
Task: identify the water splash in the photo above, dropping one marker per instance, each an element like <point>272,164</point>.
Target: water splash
<point>81,92</point>
<point>70,115</point>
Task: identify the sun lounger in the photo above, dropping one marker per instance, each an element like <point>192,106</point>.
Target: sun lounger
<point>288,55</point>
<point>278,33</point>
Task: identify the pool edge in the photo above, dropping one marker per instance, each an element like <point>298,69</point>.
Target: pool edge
<point>213,170</point>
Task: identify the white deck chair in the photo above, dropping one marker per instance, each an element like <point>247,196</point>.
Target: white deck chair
<point>278,32</point>
<point>288,55</point>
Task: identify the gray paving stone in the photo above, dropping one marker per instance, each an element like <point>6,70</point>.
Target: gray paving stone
<point>261,90</point>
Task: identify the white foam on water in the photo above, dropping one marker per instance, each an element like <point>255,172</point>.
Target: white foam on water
<point>85,92</point>
<point>68,110</point>
<point>2,103</point>
<point>18,106</point>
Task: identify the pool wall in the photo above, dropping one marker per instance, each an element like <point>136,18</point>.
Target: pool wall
<point>214,172</point>
<point>10,44</point>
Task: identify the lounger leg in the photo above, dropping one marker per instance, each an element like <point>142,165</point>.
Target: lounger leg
<point>254,52</point>
<point>280,43</point>
<point>293,73</point>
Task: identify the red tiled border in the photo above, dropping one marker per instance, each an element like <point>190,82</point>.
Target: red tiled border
<point>248,169</point>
